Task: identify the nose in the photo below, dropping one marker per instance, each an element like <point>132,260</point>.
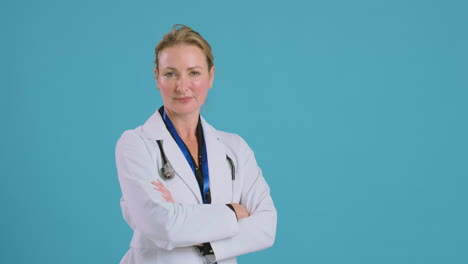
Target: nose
<point>183,84</point>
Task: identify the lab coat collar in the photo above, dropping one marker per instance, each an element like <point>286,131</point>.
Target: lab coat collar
<point>155,129</point>
<point>220,180</point>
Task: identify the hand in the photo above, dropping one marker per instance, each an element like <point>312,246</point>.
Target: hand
<point>241,211</point>
<point>166,194</point>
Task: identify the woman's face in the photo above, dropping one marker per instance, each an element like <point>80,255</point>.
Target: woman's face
<point>183,78</point>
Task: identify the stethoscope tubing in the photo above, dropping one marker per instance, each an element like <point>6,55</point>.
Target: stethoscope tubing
<point>167,171</point>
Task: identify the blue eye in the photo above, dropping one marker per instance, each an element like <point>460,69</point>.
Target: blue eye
<point>195,73</point>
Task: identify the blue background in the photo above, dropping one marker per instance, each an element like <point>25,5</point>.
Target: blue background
<point>357,112</point>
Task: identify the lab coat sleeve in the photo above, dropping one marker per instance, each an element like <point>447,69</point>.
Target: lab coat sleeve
<point>257,231</point>
<point>168,225</point>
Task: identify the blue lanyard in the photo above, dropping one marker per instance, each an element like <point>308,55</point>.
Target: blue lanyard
<point>188,157</point>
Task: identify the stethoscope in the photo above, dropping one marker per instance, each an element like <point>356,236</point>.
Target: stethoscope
<point>167,171</point>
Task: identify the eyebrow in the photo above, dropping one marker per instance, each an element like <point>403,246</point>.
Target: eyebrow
<point>191,68</point>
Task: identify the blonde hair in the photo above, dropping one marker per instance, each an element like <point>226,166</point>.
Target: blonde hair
<point>181,34</point>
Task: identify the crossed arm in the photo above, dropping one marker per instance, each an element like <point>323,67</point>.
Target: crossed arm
<point>241,211</point>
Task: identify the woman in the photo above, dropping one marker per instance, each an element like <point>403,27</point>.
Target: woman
<point>191,193</point>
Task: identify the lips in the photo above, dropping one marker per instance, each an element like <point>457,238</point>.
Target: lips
<point>183,99</point>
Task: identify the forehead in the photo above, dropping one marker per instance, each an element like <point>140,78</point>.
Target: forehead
<point>182,56</point>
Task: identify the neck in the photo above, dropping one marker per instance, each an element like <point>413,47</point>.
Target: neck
<point>186,125</point>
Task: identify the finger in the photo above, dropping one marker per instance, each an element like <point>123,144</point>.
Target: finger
<point>159,190</point>
<point>166,196</point>
<point>163,191</point>
<point>168,199</point>
<point>157,183</point>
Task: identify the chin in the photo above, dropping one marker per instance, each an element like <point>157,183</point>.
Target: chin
<point>183,109</point>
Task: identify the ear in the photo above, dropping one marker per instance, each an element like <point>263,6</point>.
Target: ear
<point>156,74</point>
<point>212,72</point>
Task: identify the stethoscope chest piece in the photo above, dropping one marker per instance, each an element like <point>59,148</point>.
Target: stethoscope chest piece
<point>167,171</point>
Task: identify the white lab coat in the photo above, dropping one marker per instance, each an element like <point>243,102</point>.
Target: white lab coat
<point>167,232</point>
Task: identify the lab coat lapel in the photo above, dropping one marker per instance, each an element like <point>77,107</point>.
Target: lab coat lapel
<point>181,166</point>
<point>220,175</point>
<point>155,129</point>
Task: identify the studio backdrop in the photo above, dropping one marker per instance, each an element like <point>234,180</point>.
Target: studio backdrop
<point>356,110</point>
